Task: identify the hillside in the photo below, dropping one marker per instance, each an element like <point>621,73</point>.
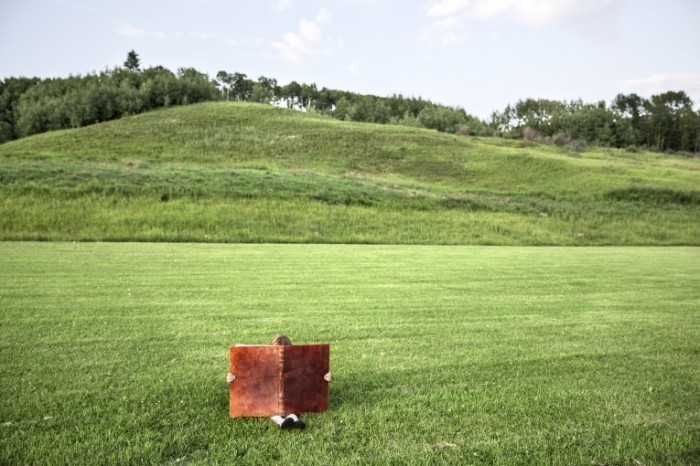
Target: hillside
<point>253,173</point>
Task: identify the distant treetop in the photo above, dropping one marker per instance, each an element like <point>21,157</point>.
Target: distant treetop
<point>132,61</point>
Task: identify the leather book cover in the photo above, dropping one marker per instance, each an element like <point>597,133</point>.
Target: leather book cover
<point>278,380</point>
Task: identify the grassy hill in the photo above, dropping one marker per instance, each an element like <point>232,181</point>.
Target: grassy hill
<point>252,173</point>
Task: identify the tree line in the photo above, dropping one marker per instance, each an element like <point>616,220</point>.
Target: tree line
<point>32,105</point>
<point>665,122</point>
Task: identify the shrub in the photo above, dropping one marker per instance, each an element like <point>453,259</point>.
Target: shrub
<point>561,139</point>
<point>530,134</point>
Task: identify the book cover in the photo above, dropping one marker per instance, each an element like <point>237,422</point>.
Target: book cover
<point>278,379</point>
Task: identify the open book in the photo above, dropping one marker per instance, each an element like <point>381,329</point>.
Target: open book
<point>278,379</point>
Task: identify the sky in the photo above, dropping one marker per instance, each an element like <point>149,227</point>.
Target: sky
<point>480,55</point>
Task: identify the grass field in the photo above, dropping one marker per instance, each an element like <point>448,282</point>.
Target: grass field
<point>116,353</point>
<point>225,172</point>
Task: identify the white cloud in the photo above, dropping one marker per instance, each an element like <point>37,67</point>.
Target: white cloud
<point>445,31</point>
<point>545,13</point>
<point>245,41</point>
<point>282,5</point>
<point>352,68</point>
<point>201,35</point>
<point>310,30</point>
<point>307,42</point>
<point>129,30</point>
<point>660,83</point>
<point>324,16</point>
<point>534,13</point>
<point>446,7</point>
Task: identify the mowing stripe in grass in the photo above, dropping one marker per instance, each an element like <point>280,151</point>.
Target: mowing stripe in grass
<point>116,353</point>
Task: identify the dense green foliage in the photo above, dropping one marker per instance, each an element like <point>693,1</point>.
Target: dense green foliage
<point>117,353</point>
<point>236,172</point>
<point>31,106</point>
<point>665,122</point>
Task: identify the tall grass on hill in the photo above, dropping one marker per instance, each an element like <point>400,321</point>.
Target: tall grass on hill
<point>242,172</point>
<point>99,218</point>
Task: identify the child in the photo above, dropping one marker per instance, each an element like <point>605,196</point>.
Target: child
<point>285,421</point>
<point>290,420</point>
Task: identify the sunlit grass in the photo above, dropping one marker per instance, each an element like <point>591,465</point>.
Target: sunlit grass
<point>117,353</point>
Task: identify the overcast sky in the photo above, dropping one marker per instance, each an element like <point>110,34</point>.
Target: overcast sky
<point>476,54</point>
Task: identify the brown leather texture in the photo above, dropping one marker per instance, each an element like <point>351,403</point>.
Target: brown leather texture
<point>278,380</point>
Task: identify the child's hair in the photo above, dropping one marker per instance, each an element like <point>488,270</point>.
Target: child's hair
<point>281,340</point>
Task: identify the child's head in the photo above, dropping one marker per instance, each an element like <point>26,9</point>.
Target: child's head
<point>281,340</point>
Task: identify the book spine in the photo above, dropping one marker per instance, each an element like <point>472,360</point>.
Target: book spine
<point>281,408</point>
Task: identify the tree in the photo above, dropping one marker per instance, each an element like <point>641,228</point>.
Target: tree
<point>309,95</point>
<point>671,125</point>
<point>291,93</point>
<point>544,116</point>
<point>326,100</point>
<point>194,87</point>
<point>132,61</point>
<point>631,109</point>
<point>236,84</point>
<point>630,106</point>
<point>226,82</point>
<point>11,90</point>
<point>157,88</point>
<point>592,123</point>
<point>441,118</point>
<point>265,90</point>
<point>241,86</point>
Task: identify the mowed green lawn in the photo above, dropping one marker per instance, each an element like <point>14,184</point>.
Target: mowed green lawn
<point>116,353</point>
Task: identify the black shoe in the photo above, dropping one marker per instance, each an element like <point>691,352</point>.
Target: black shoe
<point>300,424</point>
<point>288,423</point>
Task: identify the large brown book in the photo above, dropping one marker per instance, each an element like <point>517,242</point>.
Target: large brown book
<point>274,380</point>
